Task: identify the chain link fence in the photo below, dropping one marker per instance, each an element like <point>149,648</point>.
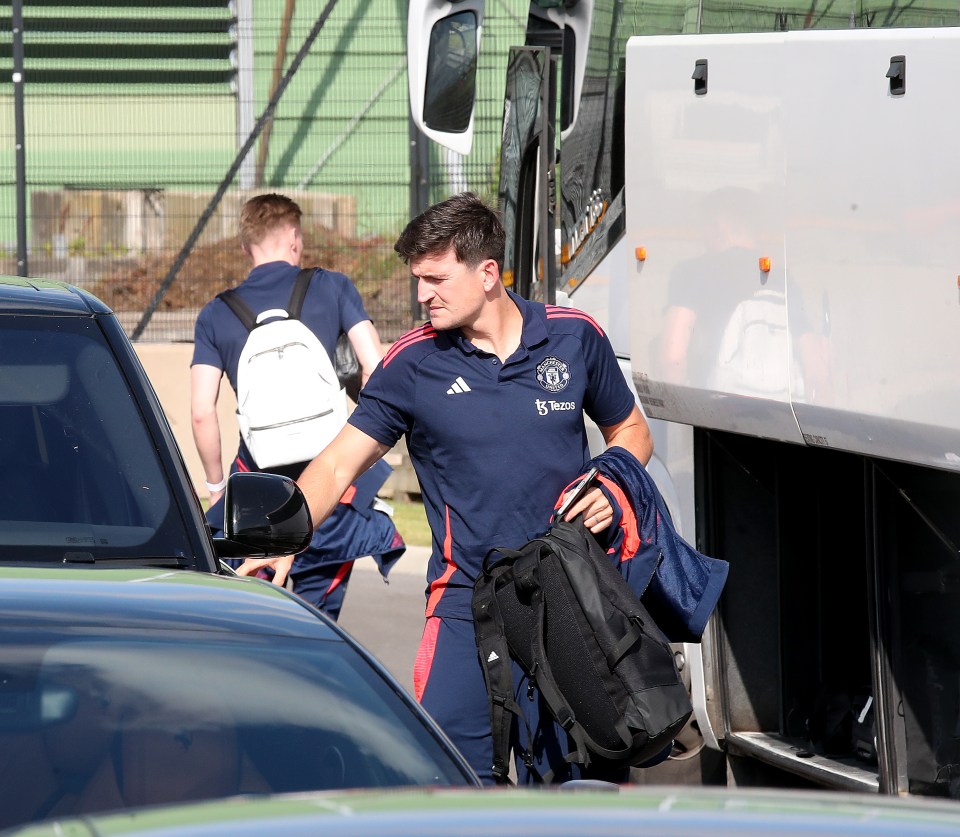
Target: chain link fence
<point>143,128</point>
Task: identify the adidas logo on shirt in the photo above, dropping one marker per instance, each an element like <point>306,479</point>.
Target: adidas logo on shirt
<point>458,386</point>
<point>493,657</point>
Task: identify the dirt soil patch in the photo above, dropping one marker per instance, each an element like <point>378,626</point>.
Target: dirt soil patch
<point>380,276</point>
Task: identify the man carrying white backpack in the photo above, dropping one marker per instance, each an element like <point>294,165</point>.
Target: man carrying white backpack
<point>274,336</point>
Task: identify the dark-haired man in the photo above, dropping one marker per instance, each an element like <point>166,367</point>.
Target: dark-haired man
<point>490,394</point>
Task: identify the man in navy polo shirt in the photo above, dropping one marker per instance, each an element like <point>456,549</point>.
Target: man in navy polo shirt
<point>272,237</point>
<point>490,395</point>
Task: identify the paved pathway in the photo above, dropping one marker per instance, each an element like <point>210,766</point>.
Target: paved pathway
<point>387,618</point>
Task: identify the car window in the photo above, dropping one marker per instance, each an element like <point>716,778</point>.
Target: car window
<point>117,721</point>
<point>81,478</point>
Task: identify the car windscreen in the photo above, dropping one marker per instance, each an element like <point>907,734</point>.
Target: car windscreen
<point>80,479</point>
<point>119,720</point>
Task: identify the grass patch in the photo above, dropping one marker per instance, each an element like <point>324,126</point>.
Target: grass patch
<point>411,521</point>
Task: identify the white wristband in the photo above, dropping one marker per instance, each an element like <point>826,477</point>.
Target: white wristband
<point>217,486</point>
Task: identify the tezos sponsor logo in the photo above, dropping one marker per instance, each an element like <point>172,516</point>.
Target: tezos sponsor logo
<point>544,407</point>
<point>553,374</point>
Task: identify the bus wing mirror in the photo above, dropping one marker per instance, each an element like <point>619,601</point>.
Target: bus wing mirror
<point>443,43</point>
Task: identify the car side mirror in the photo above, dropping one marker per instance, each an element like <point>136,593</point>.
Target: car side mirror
<point>264,515</point>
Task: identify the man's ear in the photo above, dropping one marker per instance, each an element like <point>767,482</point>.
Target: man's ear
<point>296,241</point>
<point>491,274</point>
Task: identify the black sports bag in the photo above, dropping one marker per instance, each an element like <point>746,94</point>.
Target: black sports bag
<point>559,607</point>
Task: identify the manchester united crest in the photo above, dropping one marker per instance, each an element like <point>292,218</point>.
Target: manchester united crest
<point>553,374</point>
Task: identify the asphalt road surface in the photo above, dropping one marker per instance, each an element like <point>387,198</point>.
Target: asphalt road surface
<point>388,618</point>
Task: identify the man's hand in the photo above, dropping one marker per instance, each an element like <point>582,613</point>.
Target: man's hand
<point>596,509</point>
<point>281,567</point>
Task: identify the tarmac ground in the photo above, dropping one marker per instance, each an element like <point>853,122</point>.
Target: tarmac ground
<point>386,616</point>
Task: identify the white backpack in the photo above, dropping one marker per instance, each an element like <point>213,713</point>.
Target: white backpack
<point>756,349</point>
<point>290,403</point>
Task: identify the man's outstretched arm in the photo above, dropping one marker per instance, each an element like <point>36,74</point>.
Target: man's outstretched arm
<point>323,483</point>
<point>332,471</point>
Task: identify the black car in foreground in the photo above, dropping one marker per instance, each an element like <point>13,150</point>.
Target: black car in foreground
<point>90,472</point>
<point>134,670</point>
<point>121,688</point>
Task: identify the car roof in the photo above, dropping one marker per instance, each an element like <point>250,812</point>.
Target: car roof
<point>44,296</point>
<point>560,811</point>
<point>148,599</point>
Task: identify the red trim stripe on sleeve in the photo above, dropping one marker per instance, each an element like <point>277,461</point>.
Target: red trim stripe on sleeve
<point>424,332</point>
<point>556,312</point>
<point>628,521</point>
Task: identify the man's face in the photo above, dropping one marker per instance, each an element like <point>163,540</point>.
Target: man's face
<point>453,293</point>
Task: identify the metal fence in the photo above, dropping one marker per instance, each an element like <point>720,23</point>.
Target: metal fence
<point>130,134</point>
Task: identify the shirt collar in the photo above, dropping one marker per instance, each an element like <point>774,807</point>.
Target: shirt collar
<point>534,326</point>
<point>534,321</point>
<point>269,271</point>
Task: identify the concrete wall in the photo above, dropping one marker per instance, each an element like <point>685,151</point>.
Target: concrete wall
<point>92,222</point>
<point>168,366</point>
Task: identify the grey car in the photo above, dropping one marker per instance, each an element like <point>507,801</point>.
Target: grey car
<point>572,810</point>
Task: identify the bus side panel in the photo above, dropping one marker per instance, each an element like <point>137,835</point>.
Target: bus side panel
<point>871,239</point>
<point>800,272</point>
<point>705,201</point>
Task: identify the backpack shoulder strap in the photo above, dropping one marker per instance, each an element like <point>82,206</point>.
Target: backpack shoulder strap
<point>573,544</point>
<point>245,313</point>
<point>240,308</point>
<point>543,676</point>
<point>299,293</point>
<point>497,667</point>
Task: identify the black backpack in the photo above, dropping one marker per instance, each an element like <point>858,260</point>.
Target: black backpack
<point>559,608</point>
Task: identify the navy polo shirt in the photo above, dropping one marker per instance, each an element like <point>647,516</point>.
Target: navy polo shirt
<point>332,305</point>
<point>493,444</point>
